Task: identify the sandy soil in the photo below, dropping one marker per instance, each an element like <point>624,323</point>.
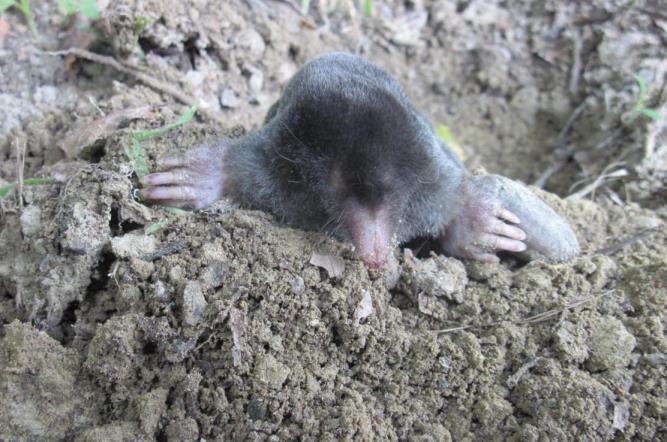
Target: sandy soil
<point>217,326</point>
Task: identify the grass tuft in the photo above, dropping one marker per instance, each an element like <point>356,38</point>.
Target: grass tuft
<point>640,105</point>
<point>7,188</point>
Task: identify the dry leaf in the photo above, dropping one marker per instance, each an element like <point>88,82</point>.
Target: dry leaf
<point>334,265</point>
<point>425,304</point>
<point>364,308</point>
<point>4,29</point>
<point>88,134</point>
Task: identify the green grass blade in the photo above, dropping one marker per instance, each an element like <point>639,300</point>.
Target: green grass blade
<point>24,7</point>
<point>139,160</point>
<point>7,188</point>
<point>183,119</point>
<point>445,135</point>
<point>174,210</point>
<point>165,222</point>
<point>643,93</point>
<point>155,227</point>
<point>67,7</point>
<point>368,7</point>
<point>89,9</point>
<point>4,190</point>
<point>6,4</point>
<point>651,113</point>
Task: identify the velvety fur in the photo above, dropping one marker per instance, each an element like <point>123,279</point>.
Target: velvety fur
<point>340,113</point>
<point>345,151</point>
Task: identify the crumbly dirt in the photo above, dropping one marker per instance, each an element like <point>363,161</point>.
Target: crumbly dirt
<point>217,326</point>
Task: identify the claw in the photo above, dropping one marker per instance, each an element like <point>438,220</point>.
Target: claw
<point>176,193</point>
<point>177,176</point>
<point>486,257</point>
<point>175,161</point>
<point>503,229</point>
<point>499,243</point>
<point>508,216</point>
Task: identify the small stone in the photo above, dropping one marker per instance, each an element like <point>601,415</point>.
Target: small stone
<point>229,99</point>
<point>441,277</point>
<point>256,81</point>
<point>46,95</point>
<point>133,246</point>
<point>270,372</point>
<point>610,344</point>
<point>297,285</point>
<point>31,220</point>
<point>252,41</point>
<point>194,303</point>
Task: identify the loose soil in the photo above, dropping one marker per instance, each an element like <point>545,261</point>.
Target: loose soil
<point>216,325</point>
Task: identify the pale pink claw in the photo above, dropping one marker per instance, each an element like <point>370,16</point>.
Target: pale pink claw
<point>177,176</point>
<point>503,229</point>
<point>172,162</point>
<point>508,216</point>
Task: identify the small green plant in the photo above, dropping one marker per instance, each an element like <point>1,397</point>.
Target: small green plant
<point>136,154</point>
<point>7,188</point>
<point>640,105</point>
<point>367,6</point>
<point>24,7</point>
<point>87,8</point>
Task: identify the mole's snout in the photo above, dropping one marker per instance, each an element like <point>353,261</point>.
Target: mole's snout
<point>371,232</point>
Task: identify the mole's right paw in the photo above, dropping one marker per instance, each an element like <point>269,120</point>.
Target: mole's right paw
<point>482,228</point>
<point>193,180</point>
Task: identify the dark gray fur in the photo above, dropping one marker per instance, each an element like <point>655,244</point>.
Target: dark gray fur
<point>429,207</point>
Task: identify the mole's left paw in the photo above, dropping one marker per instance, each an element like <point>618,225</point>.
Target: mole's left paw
<point>193,180</point>
<point>482,228</point>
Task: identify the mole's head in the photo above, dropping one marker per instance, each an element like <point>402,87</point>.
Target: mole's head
<point>368,162</point>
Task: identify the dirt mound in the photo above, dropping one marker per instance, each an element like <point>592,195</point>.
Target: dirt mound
<point>123,322</point>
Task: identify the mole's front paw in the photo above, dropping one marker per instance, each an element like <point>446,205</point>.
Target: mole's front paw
<point>482,228</point>
<point>193,180</point>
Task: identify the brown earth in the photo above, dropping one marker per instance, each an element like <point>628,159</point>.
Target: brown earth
<point>217,326</point>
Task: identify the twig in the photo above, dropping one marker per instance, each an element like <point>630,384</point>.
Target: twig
<point>592,187</point>
<point>148,80</point>
<point>20,168</point>
<point>575,73</point>
<point>560,151</point>
<point>540,317</point>
<point>613,248</point>
<point>169,249</point>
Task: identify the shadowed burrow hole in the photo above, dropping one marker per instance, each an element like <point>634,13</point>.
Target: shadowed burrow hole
<point>192,50</point>
<point>7,295</point>
<point>120,226</point>
<point>69,318</point>
<point>150,348</point>
<point>100,276</point>
<point>421,247</point>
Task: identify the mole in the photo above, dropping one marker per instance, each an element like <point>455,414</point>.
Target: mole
<point>344,151</point>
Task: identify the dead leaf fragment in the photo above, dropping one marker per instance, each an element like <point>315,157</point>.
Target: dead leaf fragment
<point>425,304</point>
<point>334,265</point>
<point>364,308</point>
<point>88,134</point>
<point>4,29</point>
<point>237,325</point>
